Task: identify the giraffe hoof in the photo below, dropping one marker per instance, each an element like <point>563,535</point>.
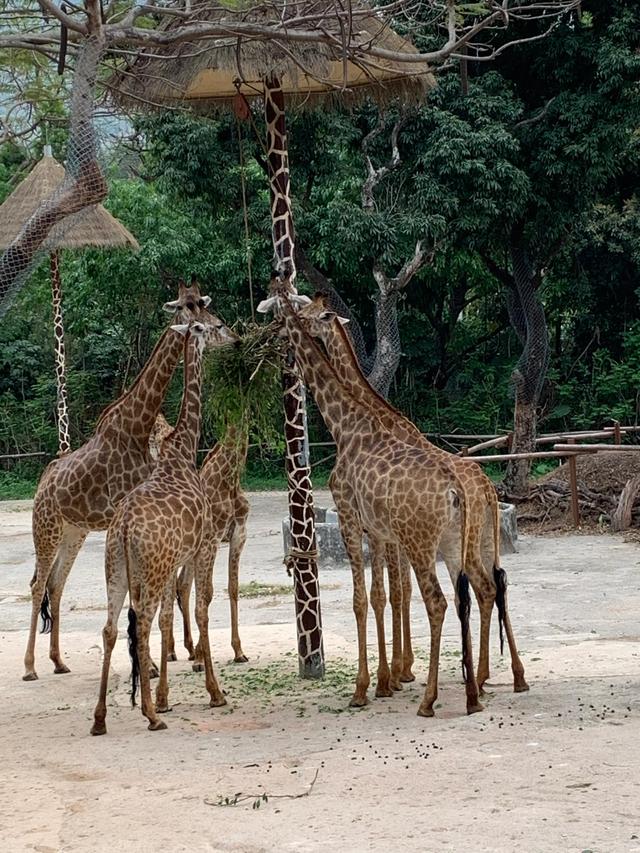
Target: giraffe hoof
<point>396,686</point>
<point>157,726</point>
<point>383,692</point>
<point>30,676</point>
<point>162,707</point>
<point>197,667</point>
<point>520,686</point>
<point>217,702</point>
<point>425,712</point>
<point>241,658</point>
<point>407,677</point>
<point>474,708</point>
<point>61,669</point>
<point>154,672</point>
<point>99,729</point>
<point>358,702</point>
<point>172,656</point>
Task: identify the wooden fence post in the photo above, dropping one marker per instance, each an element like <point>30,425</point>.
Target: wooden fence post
<point>573,481</point>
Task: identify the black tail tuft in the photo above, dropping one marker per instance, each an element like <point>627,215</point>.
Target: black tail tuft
<point>45,614</point>
<point>132,632</point>
<point>500,578</point>
<point>179,601</point>
<point>464,614</point>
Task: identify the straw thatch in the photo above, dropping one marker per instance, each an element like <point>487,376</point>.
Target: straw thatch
<point>93,226</point>
<point>204,72</point>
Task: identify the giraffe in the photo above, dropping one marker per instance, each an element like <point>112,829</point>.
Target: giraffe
<point>78,492</point>
<point>160,525</point>
<point>396,491</point>
<point>489,584</point>
<point>220,477</point>
<point>301,559</point>
<point>64,441</point>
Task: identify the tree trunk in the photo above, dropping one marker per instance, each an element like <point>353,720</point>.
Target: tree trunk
<point>386,356</point>
<point>526,313</point>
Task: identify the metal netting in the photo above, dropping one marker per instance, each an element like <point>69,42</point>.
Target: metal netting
<point>82,188</point>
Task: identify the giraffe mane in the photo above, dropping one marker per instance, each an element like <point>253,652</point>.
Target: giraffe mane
<point>107,411</point>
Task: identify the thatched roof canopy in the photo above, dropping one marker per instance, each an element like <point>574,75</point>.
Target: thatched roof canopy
<point>204,72</point>
<point>93,226</point>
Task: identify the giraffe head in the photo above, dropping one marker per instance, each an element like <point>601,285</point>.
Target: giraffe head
<point>191,307</point>
<point>319,319</point>
<point>281,291</point>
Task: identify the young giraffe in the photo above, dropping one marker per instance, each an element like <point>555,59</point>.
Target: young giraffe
<point>398,492</point>
<point>482,503</point>
<point>220,477</point>
<point>160,525</point>
<point>78,492</point>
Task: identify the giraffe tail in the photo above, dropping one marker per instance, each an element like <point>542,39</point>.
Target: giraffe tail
<point>132,633</point>
<point>499,574</point>
<point>464,614</point>
<point>132,628</point>
<point>45,614</point>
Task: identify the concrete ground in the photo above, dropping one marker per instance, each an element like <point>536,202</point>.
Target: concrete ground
<point>285,766</point>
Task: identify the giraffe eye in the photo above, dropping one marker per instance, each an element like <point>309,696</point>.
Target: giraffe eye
<point>191,306</point>
<point>201,303</point>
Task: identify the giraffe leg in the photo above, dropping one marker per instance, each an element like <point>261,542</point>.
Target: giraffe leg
<point>519,683</point>
<point>463,607</point>
<point>171,641</point>
<point>484,591</point>
<point>407,650</point>
<point>116,573</point>
<point>378,603</point>
<point>207,552</point>
<point>236,544</point>
<point>47,535</point>
<point>204,594</point>
<point>72,540</point>
<point>395,597</point>
<point>436,605</point>
<point>165,619</point>
<point>144,613</point>
<point>351,530</point>
<point>185,581</point>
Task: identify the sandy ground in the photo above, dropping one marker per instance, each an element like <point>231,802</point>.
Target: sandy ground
<point>557,769</point>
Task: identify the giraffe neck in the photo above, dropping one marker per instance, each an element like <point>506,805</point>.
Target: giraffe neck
<point>342,412</point>
<point>184,439</point>
<point>137,409</point>
<point>345,363</point>
<point>278,160</point>
<point>64,441</point>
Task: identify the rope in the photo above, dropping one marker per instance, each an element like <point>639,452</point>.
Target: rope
<point>245,218</point>
<point>294,554</point>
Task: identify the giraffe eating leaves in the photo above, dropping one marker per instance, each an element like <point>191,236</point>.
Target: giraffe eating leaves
<point>399,493</point>
<point>78,493</point>
<point>162,524</point>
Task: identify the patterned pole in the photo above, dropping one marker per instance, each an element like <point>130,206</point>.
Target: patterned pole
<point>301,559</point>
<point>64,442</point>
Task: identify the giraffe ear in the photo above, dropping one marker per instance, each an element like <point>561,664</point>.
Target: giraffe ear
<point>171,307</point>
<point>299,299</point>
<point>181,328</point>
<point>267,305</point>
<point>344,320</point>
<point>205,301</point>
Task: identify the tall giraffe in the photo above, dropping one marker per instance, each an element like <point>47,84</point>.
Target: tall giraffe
<point>78,492</point>
<point>229,508</point>
<point>399,493</point>
<point>302,555</point>
<point>487,578</point>
<point>160,525</point>
<point>64,441</point>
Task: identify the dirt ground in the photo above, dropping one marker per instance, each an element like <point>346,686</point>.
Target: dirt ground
<point>285,766</point>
